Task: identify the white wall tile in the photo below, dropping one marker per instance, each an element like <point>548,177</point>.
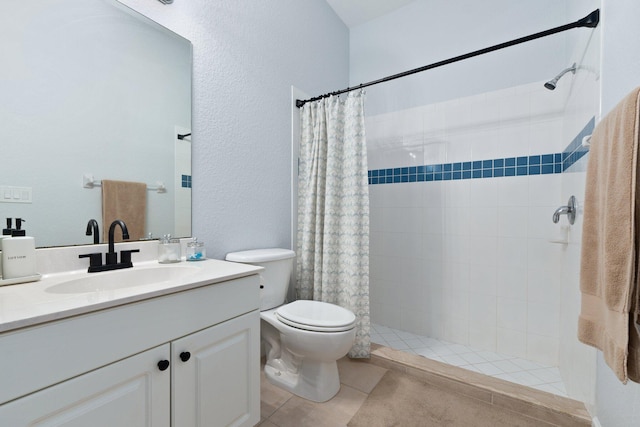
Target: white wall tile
<point>433,194</point>
<point>433,220</point>
<point>458,193</point>
<point>483,221</point>
<point>513,254</point>
<point>433,248</point>
<point>546,137</point>
<point>513,221</point>
<point>483,336</point>
<point>468,260</point>
<point>544,190</point>
<point>403,220</point>
<point>459,330</point>
<point>512,314</point>
<point>512,283</point>
<point>460,147</point>
<point>435,151</point>
<point>483,193</point>
<point>542,349</point>
<point>514,140</point>
<point>513,191</point>
<point>483,279</point>
<point>543,319</point>
<point>543,286</point>
<point>456,221</point>
<point>511,342</point>
<point>482,308</point>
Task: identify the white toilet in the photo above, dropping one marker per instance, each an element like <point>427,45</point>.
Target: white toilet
<point>303,339</point>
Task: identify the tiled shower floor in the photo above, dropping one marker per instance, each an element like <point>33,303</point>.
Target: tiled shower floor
<point>509,368</point>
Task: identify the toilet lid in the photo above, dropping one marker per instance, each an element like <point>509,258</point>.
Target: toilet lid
<point>316,316</point>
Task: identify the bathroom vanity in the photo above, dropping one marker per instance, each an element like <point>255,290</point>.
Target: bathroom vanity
<point>179,348</point>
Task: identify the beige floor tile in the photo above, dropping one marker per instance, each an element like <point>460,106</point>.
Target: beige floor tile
<point>271,397</point>
<point>298,412</point>
<point>359,374</point>
<point>267,423</point>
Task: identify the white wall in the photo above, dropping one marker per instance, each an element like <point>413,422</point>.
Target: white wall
<point>425,31</point>
<point>247,55</point>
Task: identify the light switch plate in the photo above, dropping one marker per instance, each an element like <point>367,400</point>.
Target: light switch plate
<point>12,194</point>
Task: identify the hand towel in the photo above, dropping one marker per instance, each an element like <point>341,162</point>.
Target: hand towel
<point>126,201</point>
<point>608,273</point>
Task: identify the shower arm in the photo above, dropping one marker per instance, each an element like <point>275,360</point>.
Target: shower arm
<point>589,21</point>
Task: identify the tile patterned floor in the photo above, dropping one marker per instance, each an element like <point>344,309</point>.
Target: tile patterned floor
<point>509,368</point>
<point>279,408</point>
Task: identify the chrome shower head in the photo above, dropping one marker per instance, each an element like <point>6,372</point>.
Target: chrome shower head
<point>551,84</point>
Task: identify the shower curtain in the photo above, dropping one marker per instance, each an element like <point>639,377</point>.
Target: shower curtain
<point>333,210</point>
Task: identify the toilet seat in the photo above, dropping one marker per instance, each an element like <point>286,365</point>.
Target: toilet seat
<point>316,316</point>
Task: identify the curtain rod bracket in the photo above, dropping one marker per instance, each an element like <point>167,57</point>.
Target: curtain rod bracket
<point>591,20</point>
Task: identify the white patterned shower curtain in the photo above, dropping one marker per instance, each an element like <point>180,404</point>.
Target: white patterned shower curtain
<point>333,210</point>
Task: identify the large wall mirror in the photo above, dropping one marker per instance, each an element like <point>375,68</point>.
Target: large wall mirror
<point>91,90</point>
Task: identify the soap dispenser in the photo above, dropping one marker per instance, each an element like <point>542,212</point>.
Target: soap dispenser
<point>18,231</point>
<point>6,233</point>
<point>18,254</point>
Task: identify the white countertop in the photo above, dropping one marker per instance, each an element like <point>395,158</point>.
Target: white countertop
<point>33,303</point>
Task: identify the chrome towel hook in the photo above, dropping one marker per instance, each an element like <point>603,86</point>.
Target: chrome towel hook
<point>569,210</point>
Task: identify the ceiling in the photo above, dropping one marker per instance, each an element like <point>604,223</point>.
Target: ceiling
<point>356,12</point>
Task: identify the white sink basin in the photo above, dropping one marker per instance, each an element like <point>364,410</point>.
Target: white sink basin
<point>125,278</point>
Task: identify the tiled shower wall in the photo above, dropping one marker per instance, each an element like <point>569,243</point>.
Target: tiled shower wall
<point>471,258</point>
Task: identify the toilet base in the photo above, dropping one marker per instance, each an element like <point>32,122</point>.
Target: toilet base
<point>315,381</point>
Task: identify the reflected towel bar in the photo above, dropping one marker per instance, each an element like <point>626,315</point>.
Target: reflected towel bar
<point>89,182</point>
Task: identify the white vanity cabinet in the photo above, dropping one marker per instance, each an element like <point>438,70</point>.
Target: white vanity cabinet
<point>131,392</point>
<point>212,375</point>
<point>104,368</point>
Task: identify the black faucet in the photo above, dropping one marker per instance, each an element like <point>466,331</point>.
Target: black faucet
<point>95,262</point>
<point>92,228</point>
<point>112,256</point>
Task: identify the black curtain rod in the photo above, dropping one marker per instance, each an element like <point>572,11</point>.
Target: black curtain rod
<point>590,21</point>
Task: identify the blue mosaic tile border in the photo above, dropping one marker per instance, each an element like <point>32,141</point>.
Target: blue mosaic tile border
<point>186,181</point>
<point>541,164</point>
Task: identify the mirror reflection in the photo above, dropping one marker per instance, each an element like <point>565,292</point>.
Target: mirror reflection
<point>91,91</point>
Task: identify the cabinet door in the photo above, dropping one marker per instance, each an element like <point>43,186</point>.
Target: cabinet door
<point>218,384</point>
<point>132,392</point>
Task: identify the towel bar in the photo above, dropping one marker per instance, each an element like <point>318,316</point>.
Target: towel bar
<point>89,182</point>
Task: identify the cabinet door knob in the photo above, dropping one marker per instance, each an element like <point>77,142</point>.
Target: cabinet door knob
<point>185,355</point>
<point>163,365</point>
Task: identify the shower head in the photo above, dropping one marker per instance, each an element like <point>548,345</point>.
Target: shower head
<point>551,84</point>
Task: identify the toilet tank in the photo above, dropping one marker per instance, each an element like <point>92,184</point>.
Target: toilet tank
<point>274,279</point>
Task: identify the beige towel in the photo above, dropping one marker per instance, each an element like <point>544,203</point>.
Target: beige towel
<point>608,273</point>
<point>126,201</point>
